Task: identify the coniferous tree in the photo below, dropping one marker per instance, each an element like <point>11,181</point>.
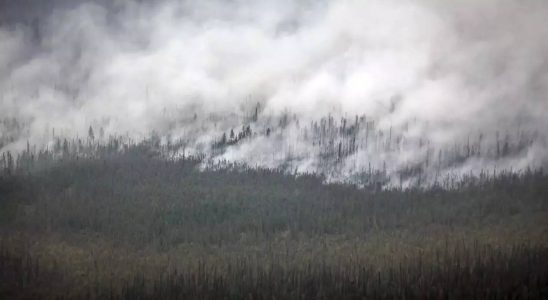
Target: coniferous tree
<point>9,163</point>
<point>223,139</point>
<point>65,148</point>
<point>90,133</point>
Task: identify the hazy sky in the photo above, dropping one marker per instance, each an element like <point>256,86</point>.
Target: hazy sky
<point>458,66</point>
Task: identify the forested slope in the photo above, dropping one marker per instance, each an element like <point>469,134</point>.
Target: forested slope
<point>135,224</point>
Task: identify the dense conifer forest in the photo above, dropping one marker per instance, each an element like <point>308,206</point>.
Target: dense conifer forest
<point>123,219</point>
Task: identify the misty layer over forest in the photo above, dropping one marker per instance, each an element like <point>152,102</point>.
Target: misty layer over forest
<point>401,93</point>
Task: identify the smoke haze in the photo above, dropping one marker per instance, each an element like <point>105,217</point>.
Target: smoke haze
<point>439,71</point>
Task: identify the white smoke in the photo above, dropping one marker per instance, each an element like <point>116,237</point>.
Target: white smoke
<point>442,71</point>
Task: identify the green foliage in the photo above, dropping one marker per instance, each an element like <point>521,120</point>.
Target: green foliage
<point>133,225</point>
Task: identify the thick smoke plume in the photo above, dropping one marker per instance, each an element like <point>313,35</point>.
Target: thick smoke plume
<point>399,84</point>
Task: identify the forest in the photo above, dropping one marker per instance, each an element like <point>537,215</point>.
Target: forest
<point>113,218</point>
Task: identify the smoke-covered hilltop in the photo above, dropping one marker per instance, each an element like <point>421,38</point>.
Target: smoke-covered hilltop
<point>342,87</point>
